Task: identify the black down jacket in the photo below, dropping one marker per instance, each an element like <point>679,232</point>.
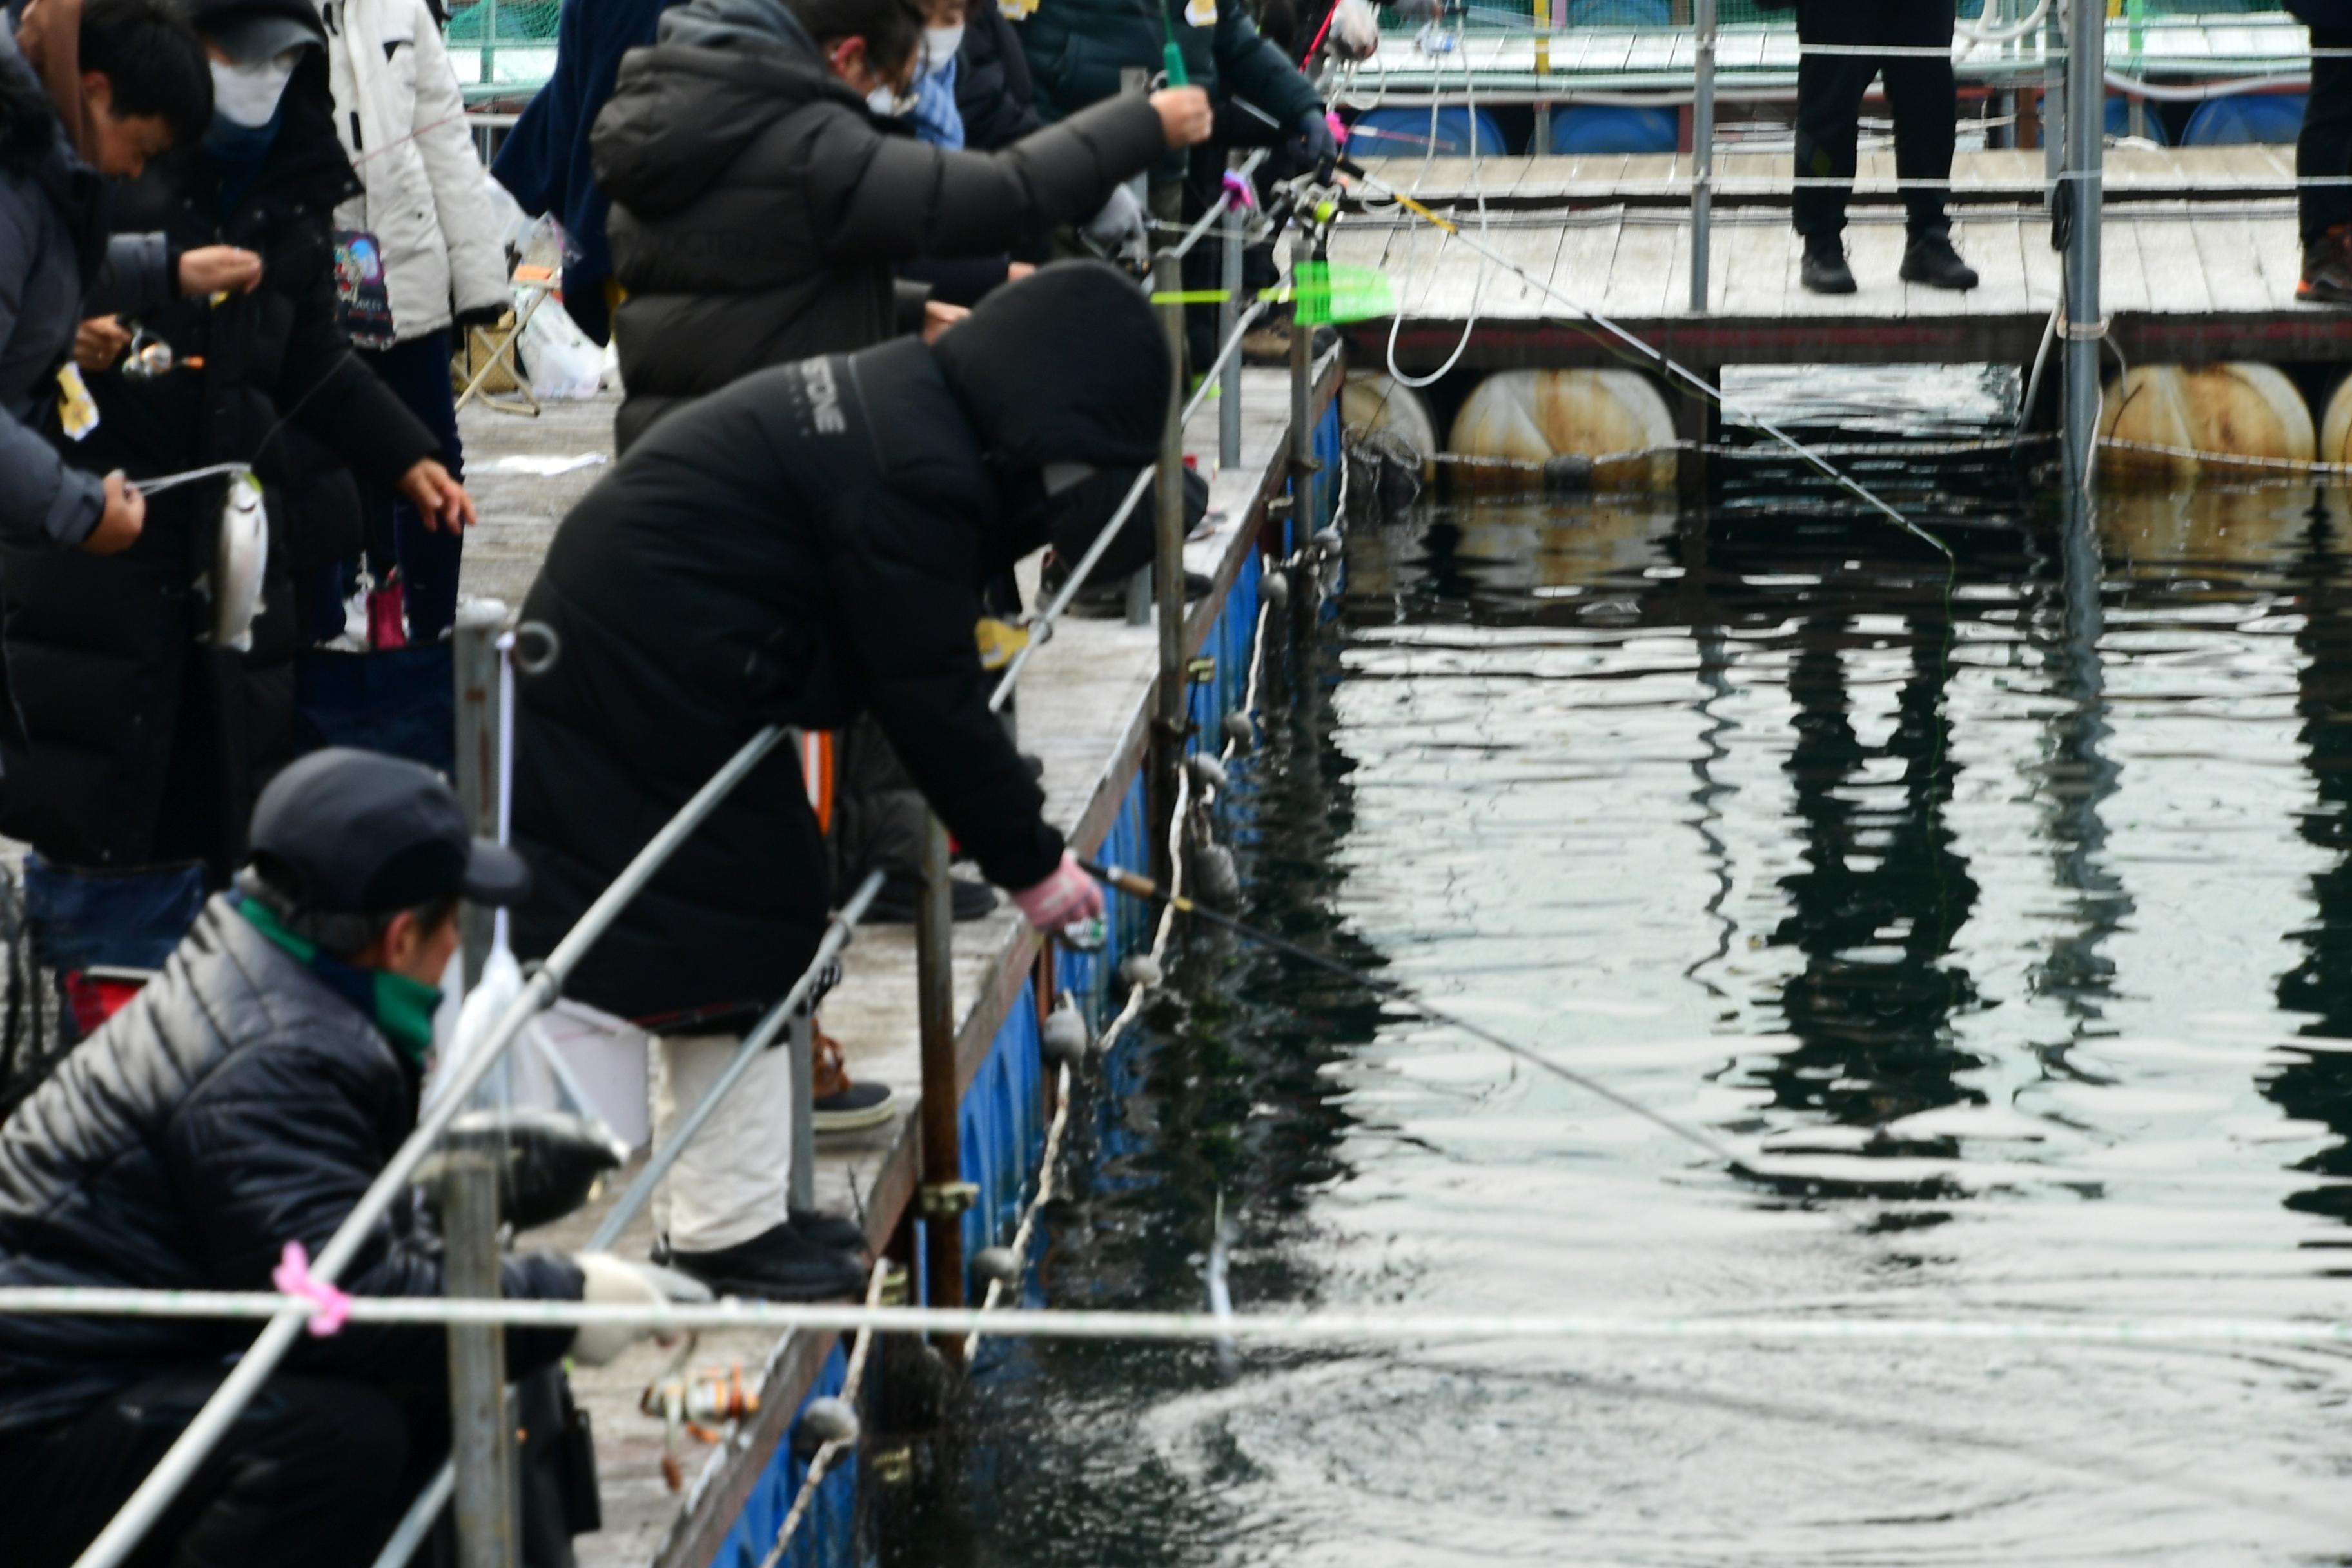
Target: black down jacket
<point>994,94</point>
<point>807,544</point>
<point>143,745</point>
<point>236,1104</point>
<point>757,206</point>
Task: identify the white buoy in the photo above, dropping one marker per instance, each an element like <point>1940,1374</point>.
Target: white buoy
<point>997,1265</point>
<point>2336,426</point>
<point>1207,771</point>
<point>1063,1036</point>
<point>1274,589</point>
<point>2205,415</point>
<point>1372,400</point>
<point>1240,731</point>
<point>1537,416</point>
<point>826,1420</point>
<point>1141,969</point>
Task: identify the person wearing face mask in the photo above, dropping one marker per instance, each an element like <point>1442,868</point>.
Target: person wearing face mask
<point>937,118</point>
<point>144,744</point>
<point>823,528</point>
<point>133,78</point>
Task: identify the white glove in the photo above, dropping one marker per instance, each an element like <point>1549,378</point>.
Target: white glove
<point>1120,223</point>
<point>609,1281</point>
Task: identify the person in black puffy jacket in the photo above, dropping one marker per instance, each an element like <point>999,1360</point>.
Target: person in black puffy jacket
<point>243,1100</point>
<point>806,546</point>
<point>2324,150</point>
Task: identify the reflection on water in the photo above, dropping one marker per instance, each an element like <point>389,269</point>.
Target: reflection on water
<point>2008,919</point>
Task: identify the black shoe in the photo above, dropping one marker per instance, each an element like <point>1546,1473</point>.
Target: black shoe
<point>835,1233</point>
<point>1034,763</point>
<point>1930,258</point>
<point>780,1264</point>
<point>1103,601</point>
<point>1825,270</point>
<point>902,890</point>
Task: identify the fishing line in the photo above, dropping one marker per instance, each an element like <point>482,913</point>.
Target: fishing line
<point>1138,886</point>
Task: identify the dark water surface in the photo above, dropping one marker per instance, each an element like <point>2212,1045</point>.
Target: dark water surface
<point>2017,942</point>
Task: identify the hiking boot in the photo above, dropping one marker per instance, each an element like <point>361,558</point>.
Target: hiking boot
<point>2327,269</point>
<point>1930,258</point>
<point>780,1264</point>
<point>1825,270</point>
<point>835,1233</point>
<point>902,890</point>
<point>839,1105</point>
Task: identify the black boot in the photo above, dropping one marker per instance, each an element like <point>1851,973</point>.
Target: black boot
<point>1930,258</point>
<point>781,1264</point>
<point>836,1233</point>
<point>1825,270</point>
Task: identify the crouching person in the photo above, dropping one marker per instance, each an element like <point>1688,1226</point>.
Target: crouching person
<point>243,1100</point>
<point>805,546</point>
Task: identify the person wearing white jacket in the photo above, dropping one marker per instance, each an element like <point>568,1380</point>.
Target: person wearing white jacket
<point>402,120</point>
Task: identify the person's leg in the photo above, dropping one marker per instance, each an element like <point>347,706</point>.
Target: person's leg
<point>417,370</point>
<point>1828,105</point>
<point>2324,150</point>
<point>1924,96</point>
<point>307,1476</point>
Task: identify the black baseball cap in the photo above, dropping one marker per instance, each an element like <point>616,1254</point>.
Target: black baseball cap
<point>343,831</point>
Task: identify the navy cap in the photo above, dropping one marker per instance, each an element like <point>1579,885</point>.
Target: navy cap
<point>350,832</point>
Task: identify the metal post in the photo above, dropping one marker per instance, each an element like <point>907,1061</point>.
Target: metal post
<point>944,1196</point>
<point>2085,153</point>
<point>801,1042</point>
<point>1229,390</point>
<point>1167,577</point>
<point>474,656</point>
<point>2054,97</point>
<point>481,1434</point>
<point>1702,156</point>
<point>1303,519</point>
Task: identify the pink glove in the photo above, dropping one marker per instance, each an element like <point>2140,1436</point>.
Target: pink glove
<point>1069,894</point>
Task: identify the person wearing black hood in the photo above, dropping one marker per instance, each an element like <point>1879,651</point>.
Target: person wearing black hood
<point>804,547</point>
<point>145,743</point>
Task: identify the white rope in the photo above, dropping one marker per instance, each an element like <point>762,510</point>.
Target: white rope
<point>1478,280</point>
<point>1301,1327</point>
<point>820,1462</point>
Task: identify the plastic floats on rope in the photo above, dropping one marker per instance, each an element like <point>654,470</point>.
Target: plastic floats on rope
<point>834,1423</point>
<point>1135,885</point>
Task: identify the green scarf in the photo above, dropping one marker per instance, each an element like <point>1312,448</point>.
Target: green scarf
<point>402,1009</point>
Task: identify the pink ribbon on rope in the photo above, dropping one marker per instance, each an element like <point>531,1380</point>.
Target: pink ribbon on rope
<point>1237,186</point>
<point>293,1276</point>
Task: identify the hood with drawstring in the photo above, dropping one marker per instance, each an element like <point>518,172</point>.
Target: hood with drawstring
<point>759,207</point>
<point>826,528</point>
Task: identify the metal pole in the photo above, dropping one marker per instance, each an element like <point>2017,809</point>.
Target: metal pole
<point>474,658</point>
<point>481,1441</point>
<point>1303,519</point>
<point>1167,577</point>
<point>2054,94</point>
<point>2085,152</point>
<point>802,1192</point>
<point>944,1196</point>
<point>1702,156</point>
<point>1229,390</point>
<point>143,1507</point>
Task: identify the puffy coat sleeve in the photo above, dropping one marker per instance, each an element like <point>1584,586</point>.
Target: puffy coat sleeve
<point>135,277</point>
<point>910,626</point>
<point>336,397</point>
<point>42,500</point>
<point>278,1145</point>
<point>1251,68</point>
<point>477,262</point>
<point>891,198</point>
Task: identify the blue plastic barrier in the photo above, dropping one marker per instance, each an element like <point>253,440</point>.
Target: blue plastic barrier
<point>1595,129</point>
<point>1407,133</point>
<point>2245,117</point>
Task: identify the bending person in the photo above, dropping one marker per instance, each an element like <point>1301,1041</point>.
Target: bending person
<point>804,547</point>
<point>243,1100</point>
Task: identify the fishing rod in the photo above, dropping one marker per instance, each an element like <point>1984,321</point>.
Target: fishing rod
<point>1135,885</point>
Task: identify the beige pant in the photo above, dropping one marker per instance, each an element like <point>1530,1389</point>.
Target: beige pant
<point>731,1183</point>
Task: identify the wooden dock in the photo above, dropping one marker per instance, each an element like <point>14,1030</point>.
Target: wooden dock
<point>2201,256</point>
<point>1082,709</point>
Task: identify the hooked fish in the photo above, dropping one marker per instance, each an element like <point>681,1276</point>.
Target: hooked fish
<point>240,561</point>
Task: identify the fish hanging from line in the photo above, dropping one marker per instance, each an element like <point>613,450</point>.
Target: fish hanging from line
<point>240,563</point>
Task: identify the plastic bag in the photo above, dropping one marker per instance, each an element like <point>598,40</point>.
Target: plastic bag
<point>560,361</point>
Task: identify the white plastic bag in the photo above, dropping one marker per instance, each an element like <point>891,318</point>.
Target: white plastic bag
<point>560,361</point>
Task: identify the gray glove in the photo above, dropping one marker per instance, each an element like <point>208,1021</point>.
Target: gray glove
<point>1120,225</point>
<point>609,1281</point>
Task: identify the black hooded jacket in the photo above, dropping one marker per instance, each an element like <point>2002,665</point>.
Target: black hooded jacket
<point>757,206</point>
<point>806,545</point>
<point>142,746</point>
<point>235,1104</point>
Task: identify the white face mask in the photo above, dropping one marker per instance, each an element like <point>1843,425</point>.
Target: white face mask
<point>246,93</point>
<point>940,47</point>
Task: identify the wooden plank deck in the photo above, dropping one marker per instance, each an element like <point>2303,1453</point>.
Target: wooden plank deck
<point>1083,711</point>
<point>2185,278</point>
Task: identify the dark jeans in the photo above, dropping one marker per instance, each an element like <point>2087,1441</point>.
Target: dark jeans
<point>313,1475</point>
<point>417,370</point>
<point>1920,91</point>
<point>2325,148</point>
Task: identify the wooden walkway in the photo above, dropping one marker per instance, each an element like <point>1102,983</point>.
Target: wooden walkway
<point>1083,711</point>
<point>2188,275</point>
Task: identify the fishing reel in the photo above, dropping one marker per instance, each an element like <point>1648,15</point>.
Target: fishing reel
<point>694,1405</point>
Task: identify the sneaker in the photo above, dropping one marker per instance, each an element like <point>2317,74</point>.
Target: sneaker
<point>1825,270</point>
<point>780,1264</point>
<point>902,890</point>
<point>839,1105</point>
<point>1930,258</point>
<point>2327,269</point>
